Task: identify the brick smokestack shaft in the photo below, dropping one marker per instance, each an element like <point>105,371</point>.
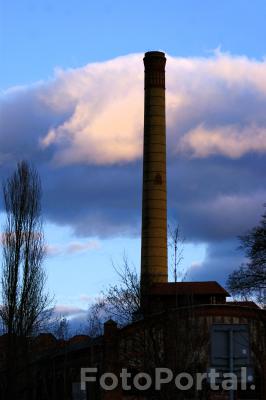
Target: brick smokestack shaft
<point>154,211</point>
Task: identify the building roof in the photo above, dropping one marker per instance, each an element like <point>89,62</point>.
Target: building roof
<point>79,339</point>
<point>188,288</point>
<point>243,304</point>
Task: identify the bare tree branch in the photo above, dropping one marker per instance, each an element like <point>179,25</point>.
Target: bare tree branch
<point>176,249</point>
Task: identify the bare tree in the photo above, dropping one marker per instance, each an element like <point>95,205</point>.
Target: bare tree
<point>61,331</point>
<point>24,301</point>
<point>123,299</point>
<point>96,317</point>
<point>176,249</point>
<point>120,302</point>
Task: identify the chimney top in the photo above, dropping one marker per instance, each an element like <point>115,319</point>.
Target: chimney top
<point>154,62</point>
<point>154,54</point>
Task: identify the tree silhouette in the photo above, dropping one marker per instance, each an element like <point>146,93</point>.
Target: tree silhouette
<point>24,300</point>
<point>250,278</point>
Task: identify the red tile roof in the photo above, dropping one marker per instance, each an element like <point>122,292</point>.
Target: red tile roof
<point>188,288</point>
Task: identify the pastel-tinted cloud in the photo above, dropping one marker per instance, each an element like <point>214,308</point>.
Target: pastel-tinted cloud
<point>215,106</point>
<point>94,114</point>
<point>72,248</point>
<point>231,141</point>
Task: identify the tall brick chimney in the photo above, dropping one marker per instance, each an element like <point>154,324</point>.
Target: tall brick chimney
<point>154,211</point>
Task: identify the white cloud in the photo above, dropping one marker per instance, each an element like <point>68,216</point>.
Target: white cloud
<point>77,247</point>
<point>68,311</point>
<point>84,298</point>
<point>106,115</point>
<point>72,248</point>
<point>215,105</point>
<point>231,140</point>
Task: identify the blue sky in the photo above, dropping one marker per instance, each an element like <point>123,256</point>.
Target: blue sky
<point>38,36</point>
<point>47,50</point>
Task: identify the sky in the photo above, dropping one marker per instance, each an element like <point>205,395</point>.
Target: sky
<point>71,96</point>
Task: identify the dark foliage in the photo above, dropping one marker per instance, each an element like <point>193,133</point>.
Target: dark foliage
<point>250,278</point>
